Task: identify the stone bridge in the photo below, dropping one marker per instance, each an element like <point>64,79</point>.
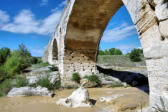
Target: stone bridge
<point>75,42</point>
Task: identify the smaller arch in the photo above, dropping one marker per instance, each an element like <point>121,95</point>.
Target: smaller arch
<point>55,52</point>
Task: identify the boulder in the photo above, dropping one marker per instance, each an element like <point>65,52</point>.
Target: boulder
<point>79,98</point>
<point>30,91</point>
<point>53,78</point>
<point>88,84</point>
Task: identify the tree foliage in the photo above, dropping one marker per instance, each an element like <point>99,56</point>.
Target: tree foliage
<point>4,54</point>
<point>112,51</point>
<point>14,62</point>
<point>135,55</point>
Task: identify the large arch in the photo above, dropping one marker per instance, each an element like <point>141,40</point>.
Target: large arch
<point>82,25</point>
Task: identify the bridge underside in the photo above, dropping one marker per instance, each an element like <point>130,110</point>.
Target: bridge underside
<point>77,36</point>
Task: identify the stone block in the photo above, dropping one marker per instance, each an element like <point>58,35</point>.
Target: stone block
<point>163,26</point>
<point>161,11</point>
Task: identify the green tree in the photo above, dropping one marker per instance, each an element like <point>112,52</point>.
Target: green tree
<point>4,54</point>
<point>23,50</point>
<point>118,52</point>
<point>135,55</point>
<point>112,51</point>
<point>106,52</point>
<point>101,52</point>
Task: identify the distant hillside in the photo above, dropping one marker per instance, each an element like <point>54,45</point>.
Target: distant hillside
<point>119,60</point>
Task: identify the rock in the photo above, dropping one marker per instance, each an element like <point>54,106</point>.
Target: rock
<point>163,28</point>
<point>32,79</point>
<point>30,91</point>
<point>161,11</point>
<point>110,98</point>
<point>53,77</point>
<point>79,98</point>
<point>158,1</point>
<point>88,84</point>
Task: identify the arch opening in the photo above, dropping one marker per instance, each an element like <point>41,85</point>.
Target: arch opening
<point>55,52</point>
<point>119,40</point>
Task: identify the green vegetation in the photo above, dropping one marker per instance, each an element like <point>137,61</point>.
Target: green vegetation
<point>53,68</point>
<point>15,62</point>
<point>21,81</point>
<point>118,60</point>
<point>42,64</point>
<point>76,77</point>
<point>4,54</point>
<point>93,78</point>
<point>112,51</point>
<point>45,82</point>
<point>5,86</point>
<point>135,55</point>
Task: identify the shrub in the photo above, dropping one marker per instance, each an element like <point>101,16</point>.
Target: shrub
<point>4,54</point>
<point>16,64</point>
<point>34,60</point>
<point>5,86</point>
<point>1,95</point>
<point>135,55</point>
<point>21,82</point>
<point>45,82</point>
<point>76,77</point>
<point>93,78</point>
<point>53,68</point>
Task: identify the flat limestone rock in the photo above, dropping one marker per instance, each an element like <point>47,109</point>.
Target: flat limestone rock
<point>79,98</point>
<point>29,91</point>
<point>110,98</point>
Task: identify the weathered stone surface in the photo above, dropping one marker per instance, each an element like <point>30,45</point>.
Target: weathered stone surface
<point>79,98</point>
<point>53,77</point>
<point>158,1</point>
<point>29,91</point>
<point>161,11</point>
<point>110,98</point>
<point>163,28</point>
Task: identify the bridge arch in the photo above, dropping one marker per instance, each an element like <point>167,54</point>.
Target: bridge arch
<point>83,23</point>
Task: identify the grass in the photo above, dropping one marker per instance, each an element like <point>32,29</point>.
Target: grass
<point>21,82</point>
<point>5,87</point>
<point>42,64</point>
<point>118,60</point>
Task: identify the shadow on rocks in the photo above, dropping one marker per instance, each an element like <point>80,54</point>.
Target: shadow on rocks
<point>133,79</point>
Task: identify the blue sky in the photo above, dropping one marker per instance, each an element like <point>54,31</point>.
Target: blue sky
<point>32,23</point>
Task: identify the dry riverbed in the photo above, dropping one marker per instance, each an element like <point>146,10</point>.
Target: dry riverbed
<point>131,100</point>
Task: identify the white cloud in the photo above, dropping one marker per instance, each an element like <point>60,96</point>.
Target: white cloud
<point>119,33</point>
<point>25,23</point>
<point>48,24</point>
<point>4,17</point>
<point>44,2</point>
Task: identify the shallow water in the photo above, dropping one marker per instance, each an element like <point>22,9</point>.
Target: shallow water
<point>133,98</point>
